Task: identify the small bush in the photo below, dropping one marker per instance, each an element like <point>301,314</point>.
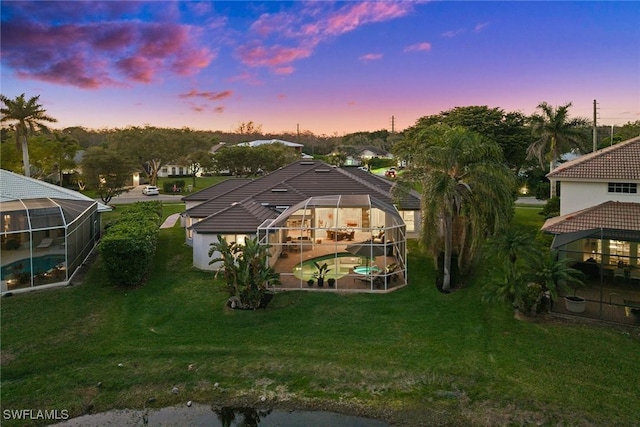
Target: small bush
<point>177,185</point>
<point>129,245</point>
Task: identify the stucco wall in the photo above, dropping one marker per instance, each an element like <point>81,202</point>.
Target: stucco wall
<point>576,195</point>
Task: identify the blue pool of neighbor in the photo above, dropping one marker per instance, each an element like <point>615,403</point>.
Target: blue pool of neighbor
<point>40,265</point>
<point>339,265</point>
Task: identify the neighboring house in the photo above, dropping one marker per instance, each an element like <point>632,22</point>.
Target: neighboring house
<point>46,232</point>
<point>258,142</point>
<point>371,152</point>
<point>237,208</point>
<point>600,209</point>
<point>175,170</point>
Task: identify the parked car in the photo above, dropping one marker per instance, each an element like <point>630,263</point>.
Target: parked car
<point>390,173</point>
<point>150,190</point>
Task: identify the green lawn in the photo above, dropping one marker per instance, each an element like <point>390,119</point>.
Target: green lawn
<point>409,356</point>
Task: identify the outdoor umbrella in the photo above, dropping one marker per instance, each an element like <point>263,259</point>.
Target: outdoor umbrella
<point>366,249</point>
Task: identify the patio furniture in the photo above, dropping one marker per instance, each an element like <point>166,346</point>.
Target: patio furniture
<point>45,243</point>
<point>619,272</point>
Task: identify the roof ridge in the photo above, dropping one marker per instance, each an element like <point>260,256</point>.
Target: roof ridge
<point>593,155</point>
<point>363,181</point>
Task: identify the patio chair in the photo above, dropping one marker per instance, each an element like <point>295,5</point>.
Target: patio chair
<point>45,243</point>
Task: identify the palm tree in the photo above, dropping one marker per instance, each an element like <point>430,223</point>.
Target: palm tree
<point>467,191</point>
<point>28,115</point>
<point>556,133</point>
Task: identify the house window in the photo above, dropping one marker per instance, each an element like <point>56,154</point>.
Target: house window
<point>623,187</point>
<point>620,251</point>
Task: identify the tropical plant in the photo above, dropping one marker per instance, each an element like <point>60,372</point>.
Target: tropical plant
<point>28,116</point>
<point>507,254</point>
<point>554,274</point>
<point>555,134</point>
<point>321,272</point>
<point>467,191</point>
<point>526,282</point>
<point>245,271</point>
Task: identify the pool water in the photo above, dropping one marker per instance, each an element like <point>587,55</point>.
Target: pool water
<point>40,265</point>
<point>339,265</point>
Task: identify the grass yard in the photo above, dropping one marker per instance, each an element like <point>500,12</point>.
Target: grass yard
<point>411,357</point>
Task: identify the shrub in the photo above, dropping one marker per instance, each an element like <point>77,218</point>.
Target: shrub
<point>245,272</point>
<point>129,245</point>
<point>178,185</point>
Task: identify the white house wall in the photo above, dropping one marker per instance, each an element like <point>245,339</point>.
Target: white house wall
<point>578,195</point>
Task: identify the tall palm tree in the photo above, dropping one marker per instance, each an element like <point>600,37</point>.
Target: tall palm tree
<point>556,134</point>
<point>467,191</point>
<point>28,115</point>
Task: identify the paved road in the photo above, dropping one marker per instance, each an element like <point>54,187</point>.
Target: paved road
<point>135,195</point>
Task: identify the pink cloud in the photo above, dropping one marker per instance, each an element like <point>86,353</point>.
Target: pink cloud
<point>356,14</point>
<point>309,25</point>
<point>113,53</point>
<point>371,57</point>
<point>418,47</point>
<point>211,96</point>
<point>273,56</point>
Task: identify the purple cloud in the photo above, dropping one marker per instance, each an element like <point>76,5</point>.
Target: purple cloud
<point>418,47</point>
<point>90,54</point>
<point>371,57</point>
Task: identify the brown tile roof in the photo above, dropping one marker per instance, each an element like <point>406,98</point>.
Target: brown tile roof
<point>243,217</point>
<point>216,190</point>
<point>297,182</point>
<point>618,162</point>
<point>608,215</point>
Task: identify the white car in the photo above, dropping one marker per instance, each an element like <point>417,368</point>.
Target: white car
<point>150,190</point>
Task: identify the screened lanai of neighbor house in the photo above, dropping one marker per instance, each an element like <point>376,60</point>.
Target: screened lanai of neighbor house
<point>46,232</point>
<point>362,241</point>
<point>43,241</point>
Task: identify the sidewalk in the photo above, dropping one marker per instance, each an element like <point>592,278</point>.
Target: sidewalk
<point>170,221</point>
<point>530,201</point>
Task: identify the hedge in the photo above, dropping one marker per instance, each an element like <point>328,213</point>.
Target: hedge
<point>129,245</point>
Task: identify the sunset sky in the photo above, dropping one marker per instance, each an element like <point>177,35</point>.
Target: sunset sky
<point>330,67</point>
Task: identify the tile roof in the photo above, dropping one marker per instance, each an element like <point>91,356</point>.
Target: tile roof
<point>296,182</point>
<point>608,215</point>
<point>617,162</point>
<point>216,190</point>
<point>242,217</point>
<point>15,187</point>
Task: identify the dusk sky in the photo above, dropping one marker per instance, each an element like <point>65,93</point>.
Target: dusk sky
<point>330,67</point>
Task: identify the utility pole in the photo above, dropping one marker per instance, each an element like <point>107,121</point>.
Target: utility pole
<point>595,126</point>
<point>393,124</point>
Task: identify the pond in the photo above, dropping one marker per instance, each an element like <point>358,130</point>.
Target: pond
<point>204,415</point>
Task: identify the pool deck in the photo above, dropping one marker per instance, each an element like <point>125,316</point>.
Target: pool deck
<point>351,282</point>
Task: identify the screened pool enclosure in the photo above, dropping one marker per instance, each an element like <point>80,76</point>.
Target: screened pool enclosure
<point>341,242</point>
<point>44,240</point>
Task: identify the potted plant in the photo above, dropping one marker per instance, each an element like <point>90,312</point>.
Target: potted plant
<point>554,273</point>
<point>321,273</point>
<point>332,282</point>
<point>310,282</point>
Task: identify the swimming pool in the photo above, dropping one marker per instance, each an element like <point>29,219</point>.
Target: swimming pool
<point>40,265</point>
<point>339,264</point>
